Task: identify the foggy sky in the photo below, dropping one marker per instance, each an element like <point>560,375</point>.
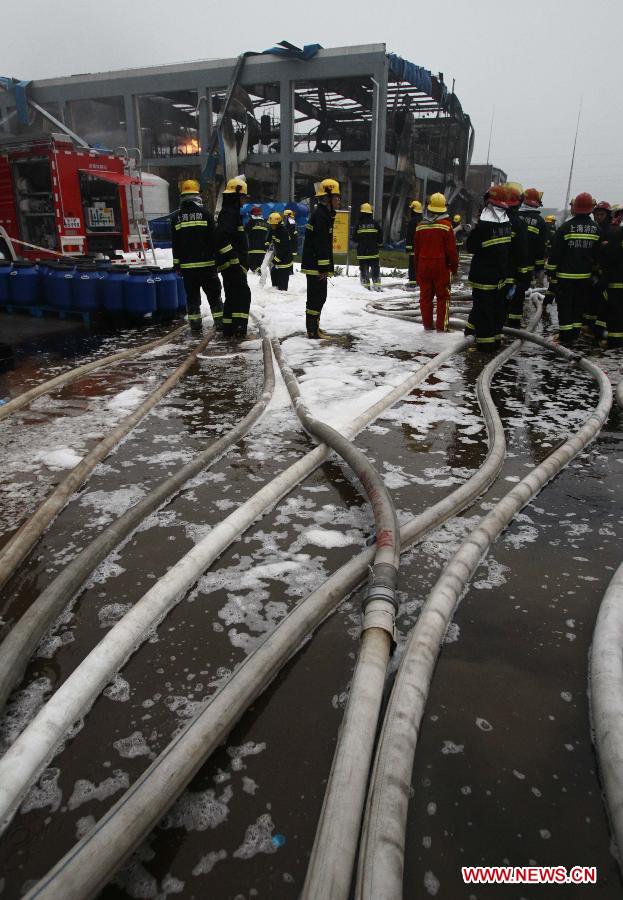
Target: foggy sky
<point>531,59</point>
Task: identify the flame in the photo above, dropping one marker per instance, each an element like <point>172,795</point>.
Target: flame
<point>190,146</point>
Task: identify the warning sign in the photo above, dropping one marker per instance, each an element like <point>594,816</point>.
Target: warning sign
<point>100,217</point>
<point>341,231</point>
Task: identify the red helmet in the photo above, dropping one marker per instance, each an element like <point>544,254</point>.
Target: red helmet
<point>603,204</point>
<point>532,197</point>
<point>514,194</point>
<point>256,210</point>
<point>583,203</point>
<point>496,196</point>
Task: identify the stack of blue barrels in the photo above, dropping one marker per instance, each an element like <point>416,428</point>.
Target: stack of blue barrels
<point>88,286</point>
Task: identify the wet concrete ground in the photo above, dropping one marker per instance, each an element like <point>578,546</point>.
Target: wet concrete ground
<point>505,770</point>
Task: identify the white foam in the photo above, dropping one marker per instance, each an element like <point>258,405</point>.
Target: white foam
<point>45,794</point>
<point>127,400</point>
<point>258,839</point>
<point>207,862</point>
<point>60,458</point>
<point>84,791</point>
<point>198,811</point>
<point>132,746</point>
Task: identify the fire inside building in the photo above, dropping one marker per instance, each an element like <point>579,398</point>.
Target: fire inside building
<point>387,129</point>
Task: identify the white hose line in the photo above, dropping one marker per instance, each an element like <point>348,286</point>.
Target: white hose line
<point>382,846</point>
<point>606,700</point>
<point>30,753</point>
<point>21,543</point>
<point>89,865</point>
<point>336,840</point>
<point>67,377</point>
<point>332,860</point>
<point>21,642</point>
<point>606,693</point>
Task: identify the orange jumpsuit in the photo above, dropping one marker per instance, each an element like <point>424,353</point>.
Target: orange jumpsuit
<point>436,257</point>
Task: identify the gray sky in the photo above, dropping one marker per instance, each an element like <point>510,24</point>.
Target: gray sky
<point>530,59</point>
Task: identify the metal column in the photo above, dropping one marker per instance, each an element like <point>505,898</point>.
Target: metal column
<point>131,127</point>
<point>286,140</point>
<point>379,128</point>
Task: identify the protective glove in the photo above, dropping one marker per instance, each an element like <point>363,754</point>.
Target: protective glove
<point>510,293</point>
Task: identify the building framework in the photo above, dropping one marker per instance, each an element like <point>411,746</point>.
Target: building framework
<point>388,129</point>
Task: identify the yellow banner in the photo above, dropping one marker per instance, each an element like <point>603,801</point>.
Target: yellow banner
<point>341,231</point>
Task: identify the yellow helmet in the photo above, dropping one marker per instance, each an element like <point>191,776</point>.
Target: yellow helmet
<point>365,207</point>
<point>274,218</point>
<point>288,212</point>
<point>328,186</point>
<point>190,186</point>
<point>437,204</point>
<point>550,218</point>
<point>236,186</point>
<point>456,219</point>
<point>416,206</point>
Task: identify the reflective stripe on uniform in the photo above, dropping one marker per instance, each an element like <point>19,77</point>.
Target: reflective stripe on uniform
<point>226,249</point>
<point>372,256</point>
<point>312,312</point>
<point>191,224</point>
<point>427,227</point>
<point>197,265</point>
<point>493,241</point>
<point>323,262</point>
<point>240,315</point>
<point>486,287</point>
<point>575,276</point>
<point>616,284</point>
<point>576,236</point>
<point>533,229</point>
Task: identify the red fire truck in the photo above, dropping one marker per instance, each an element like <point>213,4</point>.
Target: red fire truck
<point>56,198</point>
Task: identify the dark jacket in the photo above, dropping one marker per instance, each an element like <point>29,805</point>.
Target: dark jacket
<point>258,237</point>
<point>414,221</point>
<point>611,257</point>
<point>280,239</point>
<point>230,238</point>
<point>575,249</point>
<point>520,247</point>
<point>537,236</point>
<point>369,237</point>
<point>192,230</point>
<point>294,236</point>
<point>318,246</point>
<point>490,242</point>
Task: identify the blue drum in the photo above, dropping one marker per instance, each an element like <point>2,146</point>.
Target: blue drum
<point>59,285</point>
<point>86,288</point>
<point>182,300</point>
<point>166,291</point>
<point>139,296</point>
<point>24,284</point>
<point>113,287</point>
<point>5,270</point>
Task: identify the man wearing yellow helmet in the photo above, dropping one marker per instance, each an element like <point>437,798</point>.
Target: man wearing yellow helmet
<point>369,238</point>
<point>282,260</point>
<point>317,260</point>
<point>415,218</point>
<point>232,256</point>
<point>258,237</point>
<point>192,229</point>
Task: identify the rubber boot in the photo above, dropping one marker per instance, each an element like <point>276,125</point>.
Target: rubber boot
<point>312,323</point>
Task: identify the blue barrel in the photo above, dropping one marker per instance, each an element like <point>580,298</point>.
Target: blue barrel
<point>113,287</point>
<point>181,294</point>
<point>23,284</point>
<point>86,289</point>
<point>5,270</point>
<point>59,285</point>
<point>166,291</point>
<point>139,293</point>
<point>42,274</point>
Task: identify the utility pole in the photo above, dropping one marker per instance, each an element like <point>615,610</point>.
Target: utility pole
<point>575,140</point>
<point>490,134</point>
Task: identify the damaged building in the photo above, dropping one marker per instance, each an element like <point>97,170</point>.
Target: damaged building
<point>387,129</point>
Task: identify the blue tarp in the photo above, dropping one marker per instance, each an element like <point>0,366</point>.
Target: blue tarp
<point>418,76</point>
<point>18,88</point>
<point>288,50</point>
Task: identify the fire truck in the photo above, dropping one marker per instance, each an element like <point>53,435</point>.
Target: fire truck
<point>60,199</point>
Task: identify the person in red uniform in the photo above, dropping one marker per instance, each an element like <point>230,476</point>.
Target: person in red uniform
<point>436,260</point>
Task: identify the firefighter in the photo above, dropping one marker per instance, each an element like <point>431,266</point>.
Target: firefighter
<point>459,229</point>
<point>537,231</point>
<point>193,233</point>
<point>521,276</point>
<point>612,263</point>
<point>290,223</point>
<point>369,238</point>
<point>282,260</point>
<point>573,261</point>
<point>317,259</point>
<point>258,237</point>
<point>490,270</point>
<point>436,259</point>
<point>550,293</point>
<point>594,320</point>
<point>414,220</point>
<point>232,258</point>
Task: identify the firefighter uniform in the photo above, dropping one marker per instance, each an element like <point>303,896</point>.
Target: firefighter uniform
<point>522,268</point>
<point>436,259</point>
<point>537,230</point>
<point>290,223</point>
<point>258,237</point>
<point>612,262</point>
<point>573,261</point>
<point>594,319</point>
<point>317,259</point>
<point>490,271</point>
<point>414,220</point>
<point>193,233</point>
<point>369,238</point>
<point>550,293</point>
<point>282,260</point>
<point>232,260</point>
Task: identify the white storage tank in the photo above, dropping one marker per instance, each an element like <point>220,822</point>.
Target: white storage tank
<point>155,196</point>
